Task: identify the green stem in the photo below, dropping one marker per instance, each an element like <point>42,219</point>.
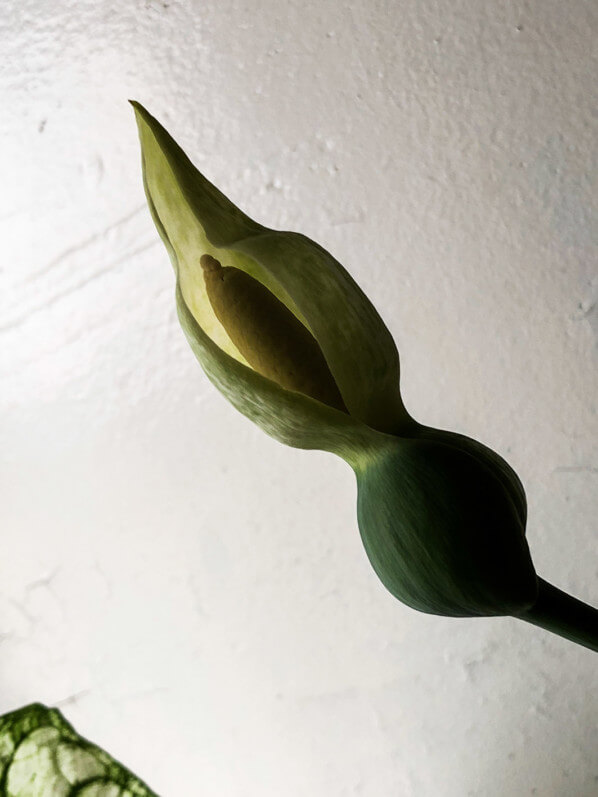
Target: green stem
<point>564,615</point>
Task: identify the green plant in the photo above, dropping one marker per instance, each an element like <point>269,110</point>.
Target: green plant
<point>285,333</point>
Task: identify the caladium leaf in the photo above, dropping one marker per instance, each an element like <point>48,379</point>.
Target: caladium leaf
<point>41,755</point>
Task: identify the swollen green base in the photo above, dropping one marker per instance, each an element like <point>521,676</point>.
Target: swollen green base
<point>443,531</point>
<point>564,615</point>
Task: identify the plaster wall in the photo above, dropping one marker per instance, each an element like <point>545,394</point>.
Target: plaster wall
<point>191,594</point>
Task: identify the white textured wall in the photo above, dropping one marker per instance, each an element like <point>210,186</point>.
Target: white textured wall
<point>193,595</point>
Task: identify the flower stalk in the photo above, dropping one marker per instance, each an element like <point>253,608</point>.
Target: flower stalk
<point>562,614</point>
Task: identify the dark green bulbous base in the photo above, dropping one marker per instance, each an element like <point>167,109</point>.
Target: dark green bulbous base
<point>442,519</point>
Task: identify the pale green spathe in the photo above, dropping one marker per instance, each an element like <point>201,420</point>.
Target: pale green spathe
<point>193,217</point>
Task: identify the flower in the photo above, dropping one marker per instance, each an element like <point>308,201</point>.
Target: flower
<point>442,517</point>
